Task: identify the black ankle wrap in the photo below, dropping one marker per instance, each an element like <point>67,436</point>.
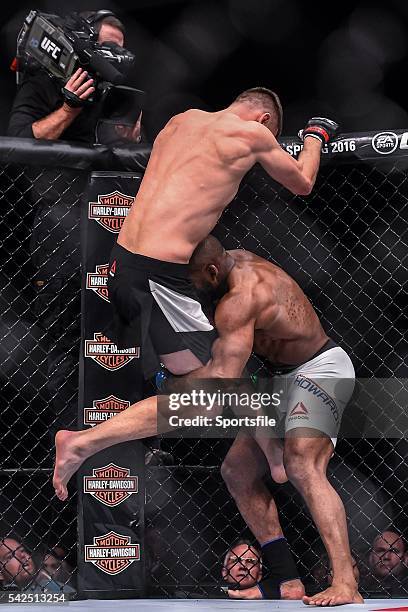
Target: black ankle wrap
<point>280,565</point>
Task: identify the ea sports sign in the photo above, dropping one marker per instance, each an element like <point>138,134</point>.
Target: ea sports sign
<point>112,552</point>
<point>111,484</point>
<point>111,210</point>
<point>385,142</point>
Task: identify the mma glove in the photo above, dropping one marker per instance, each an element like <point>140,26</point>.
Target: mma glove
<point>321,128</point>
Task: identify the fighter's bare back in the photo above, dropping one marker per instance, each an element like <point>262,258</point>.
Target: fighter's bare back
<point>194,171</point>
<point>287,328</point>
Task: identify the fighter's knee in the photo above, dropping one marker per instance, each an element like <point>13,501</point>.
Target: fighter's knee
<point>228,471</point>
<point>299,468</point>
<point>231,473</point>
<point>292,468</point>
<point>306,459</point>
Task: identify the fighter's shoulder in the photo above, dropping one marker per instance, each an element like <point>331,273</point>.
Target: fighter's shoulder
<point>189,114</point>
<point>239,254</point>
<point>237,307</point>
<point>255,277</point>
<point>180,117</point>
<point>261,137</point>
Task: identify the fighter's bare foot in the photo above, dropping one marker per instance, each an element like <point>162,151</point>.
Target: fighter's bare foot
<point>336,595</point>
<point>67,461</point>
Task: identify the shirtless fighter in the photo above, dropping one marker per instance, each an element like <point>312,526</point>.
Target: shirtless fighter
<point>265,311</point>
<point>194,171</point>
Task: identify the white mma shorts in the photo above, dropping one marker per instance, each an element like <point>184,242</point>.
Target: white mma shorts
<point>317,392</point>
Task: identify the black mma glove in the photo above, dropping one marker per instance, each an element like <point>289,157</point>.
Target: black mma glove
<point>321,128</point>
<point>72,99</point>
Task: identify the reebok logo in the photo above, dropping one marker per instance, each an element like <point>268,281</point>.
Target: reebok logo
<point>299,410</point>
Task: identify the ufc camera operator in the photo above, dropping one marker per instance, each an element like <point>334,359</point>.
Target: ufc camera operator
<point>45,109</point>
<point>74,110</point>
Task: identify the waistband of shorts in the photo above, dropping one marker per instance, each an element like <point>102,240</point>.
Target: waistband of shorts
<point>142,262</point>
<point>326,347</point>
<point>281,369</point>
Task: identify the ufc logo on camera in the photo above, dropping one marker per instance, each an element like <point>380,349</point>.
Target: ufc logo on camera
<point>50,47</point>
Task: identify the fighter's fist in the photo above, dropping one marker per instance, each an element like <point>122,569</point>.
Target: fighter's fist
<point>321,128</point>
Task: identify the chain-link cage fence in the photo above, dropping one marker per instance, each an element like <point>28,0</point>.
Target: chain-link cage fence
<point>346,245</point>
<point>40,337</point>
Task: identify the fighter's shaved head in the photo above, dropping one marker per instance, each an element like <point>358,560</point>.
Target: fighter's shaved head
<point>208,251</point>
<point>209,267</point>
<point>266,100</point>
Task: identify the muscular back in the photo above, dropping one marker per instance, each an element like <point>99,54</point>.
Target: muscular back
<point>287,329</point>
<point>194,171</point>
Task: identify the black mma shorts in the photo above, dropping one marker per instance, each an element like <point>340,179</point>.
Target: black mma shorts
<point>155,306</point>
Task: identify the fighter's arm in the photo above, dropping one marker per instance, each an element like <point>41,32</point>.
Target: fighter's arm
<point>235,323</point>
<point>297,175</point>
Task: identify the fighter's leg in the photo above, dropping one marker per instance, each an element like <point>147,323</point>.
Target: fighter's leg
<point>243,470</point>
<point>180,352</point>
<point>306,455</point>
<point>139,420</point>
<point>181,362</point>
<point>272,448</point>
<point>136,422</point>
<point>74,447</point>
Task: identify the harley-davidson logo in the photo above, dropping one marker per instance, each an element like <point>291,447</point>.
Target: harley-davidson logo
<point>112,553</point>
<point>104,409</point>
<point>111,210</point>
<point>106,354</point>
<point>111,484</point>
<point>98,281</point>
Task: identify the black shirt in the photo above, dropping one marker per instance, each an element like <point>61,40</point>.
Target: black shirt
<point>55,192</point>
<point>37,97</point>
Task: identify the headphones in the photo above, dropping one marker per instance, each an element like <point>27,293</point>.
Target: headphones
<point>99,16</point>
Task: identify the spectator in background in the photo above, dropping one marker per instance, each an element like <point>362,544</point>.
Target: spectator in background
<point>242,567</point>
<point>18,570</point>
<point>388,564</point>
<point>388,555</point>
<point>55,565</point>
<point>41,111</point>
<point>16,564</point>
